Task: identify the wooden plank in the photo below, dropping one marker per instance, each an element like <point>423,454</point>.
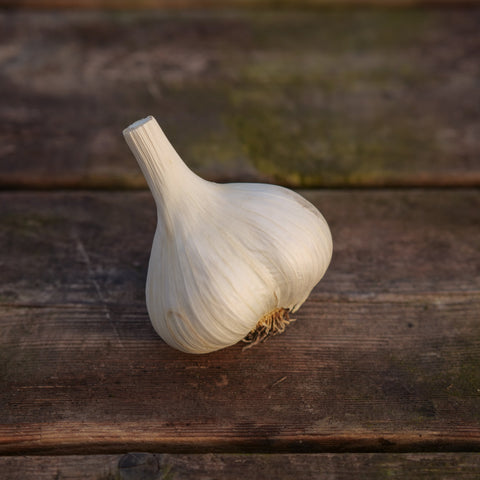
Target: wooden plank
<point>329,98</point>
<point>59,248</point>
<point>147,466</point>
<point>384,356</point>
<point>94,467</point>
<point>218,4</point>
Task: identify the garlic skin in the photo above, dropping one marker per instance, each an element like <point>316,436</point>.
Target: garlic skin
<point>224,255</point>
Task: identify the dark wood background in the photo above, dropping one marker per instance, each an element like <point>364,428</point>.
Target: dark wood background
<point>372,113</point>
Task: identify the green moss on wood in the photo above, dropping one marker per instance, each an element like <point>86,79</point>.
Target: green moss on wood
<point>309,98</point>
<point>314,99</point>
<point>311,117</point>
<point>436,382</point>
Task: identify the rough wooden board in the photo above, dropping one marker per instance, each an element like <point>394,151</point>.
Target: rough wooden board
<point>94,467</point>
<point>357,377</point>
<point>225,4</point>
<point>334,97</point>
<point>61,248</point>
<point>145,466</point>
<point>384,356</point>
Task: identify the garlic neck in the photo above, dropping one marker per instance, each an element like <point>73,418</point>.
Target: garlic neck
<point>169,179</point>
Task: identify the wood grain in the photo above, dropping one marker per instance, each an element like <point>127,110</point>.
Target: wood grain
<point>384,356</point>
<point>145,466</point>
<point>334,97</point>
<point>218,4</point>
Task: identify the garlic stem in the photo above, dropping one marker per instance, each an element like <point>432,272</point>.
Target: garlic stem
<point>161,165</point>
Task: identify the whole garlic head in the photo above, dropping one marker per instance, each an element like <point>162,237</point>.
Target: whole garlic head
<point>227,260</point>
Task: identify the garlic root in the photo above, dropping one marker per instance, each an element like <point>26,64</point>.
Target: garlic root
<point>268,326</point>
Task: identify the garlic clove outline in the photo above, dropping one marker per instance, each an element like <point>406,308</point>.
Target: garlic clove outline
<point>227,260</point>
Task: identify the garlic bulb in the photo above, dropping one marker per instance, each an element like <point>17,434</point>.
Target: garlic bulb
<point>228,261</point>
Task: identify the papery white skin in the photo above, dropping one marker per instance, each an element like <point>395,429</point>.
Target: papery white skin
<point>223,255</point>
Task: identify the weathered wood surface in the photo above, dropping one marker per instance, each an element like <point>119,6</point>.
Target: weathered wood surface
<point>225,4</point>
<point>384,356</point>
<point>330,97</point>
<point>143,466</point>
